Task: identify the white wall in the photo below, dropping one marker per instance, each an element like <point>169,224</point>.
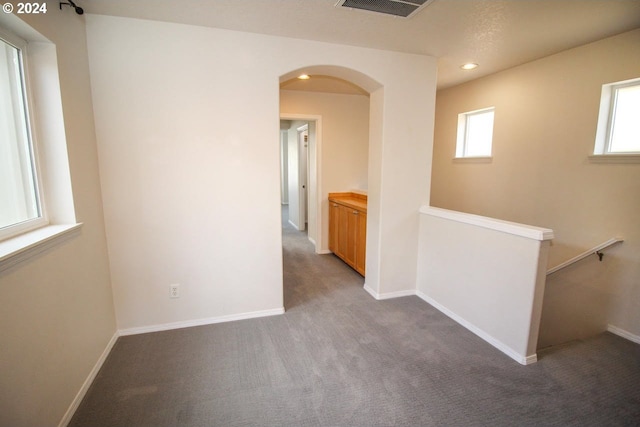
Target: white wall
<point>191,192</point>
<point>57,315</point>
<point>344,155</point>
<point>545,126</point>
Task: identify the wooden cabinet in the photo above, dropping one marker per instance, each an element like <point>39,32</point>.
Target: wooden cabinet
<point>348,228</point>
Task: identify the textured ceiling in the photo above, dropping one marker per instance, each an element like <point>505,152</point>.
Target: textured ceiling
<point>497,34</point>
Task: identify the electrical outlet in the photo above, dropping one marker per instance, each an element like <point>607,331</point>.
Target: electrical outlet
<point>174,291</point>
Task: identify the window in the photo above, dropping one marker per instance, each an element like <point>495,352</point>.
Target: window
<point>33,173</point>
<point>20,202</point>
<point>618,131</point>
<point>475,133</point>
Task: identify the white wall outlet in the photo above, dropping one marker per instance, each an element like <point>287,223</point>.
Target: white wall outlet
<point>174,291</point>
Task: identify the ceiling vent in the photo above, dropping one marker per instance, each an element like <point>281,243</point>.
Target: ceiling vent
<point>403,8</point>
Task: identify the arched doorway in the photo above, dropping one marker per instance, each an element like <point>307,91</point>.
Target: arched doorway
<point>367,86</point>
<point>330,169</point>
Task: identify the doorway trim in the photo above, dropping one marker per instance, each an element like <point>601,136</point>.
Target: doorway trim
<point>315,175</point>
<point>303,177</point>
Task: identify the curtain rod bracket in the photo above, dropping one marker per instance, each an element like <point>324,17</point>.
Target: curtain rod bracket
<point>70,3</point>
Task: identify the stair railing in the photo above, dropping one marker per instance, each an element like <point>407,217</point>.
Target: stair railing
<point>597,250</point>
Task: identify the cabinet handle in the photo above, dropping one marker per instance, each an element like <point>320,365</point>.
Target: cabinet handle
<point>355,212</point>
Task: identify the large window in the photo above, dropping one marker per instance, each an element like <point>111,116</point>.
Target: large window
<point>20,202</point>
<point>31,107</point>
<point>475,133</point>
<point>619,120</point>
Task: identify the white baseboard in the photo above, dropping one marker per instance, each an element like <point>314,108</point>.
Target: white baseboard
<point>388,295</point>
<point>87,382</point>
<point>371,291</point>
<point>154,328</point>
<point>522,359</point>
<point>324,252</point>
<point>294,225</point>
<point>624,334</point>
<point>200,322</point>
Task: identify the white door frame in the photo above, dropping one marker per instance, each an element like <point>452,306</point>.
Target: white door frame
<point>303,175</point>
<point>317,182</point>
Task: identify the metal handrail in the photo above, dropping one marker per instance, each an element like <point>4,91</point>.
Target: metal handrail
<point>593,251</point>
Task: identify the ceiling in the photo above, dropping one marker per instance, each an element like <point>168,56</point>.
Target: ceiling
<point>497,34</point>
<point>324,84</point>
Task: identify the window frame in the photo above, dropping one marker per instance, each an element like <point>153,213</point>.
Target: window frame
<point>41,220</point>
<point>51,153</point>
<point>606,121</point>
<point>462,137</point>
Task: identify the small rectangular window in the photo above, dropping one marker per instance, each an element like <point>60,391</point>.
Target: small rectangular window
<point>20,206</point>
<point>475,133</point>
<point>619,120</point>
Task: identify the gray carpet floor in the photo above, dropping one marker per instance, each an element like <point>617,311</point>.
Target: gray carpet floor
<point>337,357</point>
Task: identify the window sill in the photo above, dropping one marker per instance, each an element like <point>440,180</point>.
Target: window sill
<point>484,159</point>
<point>25,246</point>
<point>614,158</point>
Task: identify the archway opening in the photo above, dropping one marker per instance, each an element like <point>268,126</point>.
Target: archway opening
<point>336,104</point>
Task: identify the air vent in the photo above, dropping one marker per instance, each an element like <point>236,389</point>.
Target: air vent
<point>403,8</point>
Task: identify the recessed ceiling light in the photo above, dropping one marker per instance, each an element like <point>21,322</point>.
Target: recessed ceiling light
<point>469,66</point>
<point>304,77</point>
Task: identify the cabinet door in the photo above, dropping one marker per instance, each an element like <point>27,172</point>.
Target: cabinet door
<point>334,219</point>
<point>352,232</point>
<point>361,243</point>
<point>343,224</point>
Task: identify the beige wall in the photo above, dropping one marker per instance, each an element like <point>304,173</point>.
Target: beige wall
<point>345,141</point>
<point>57,313</point>
<point>545,125</point>
<point>345,134</point>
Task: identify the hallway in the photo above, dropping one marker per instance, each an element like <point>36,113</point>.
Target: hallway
<point>308,276</point>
